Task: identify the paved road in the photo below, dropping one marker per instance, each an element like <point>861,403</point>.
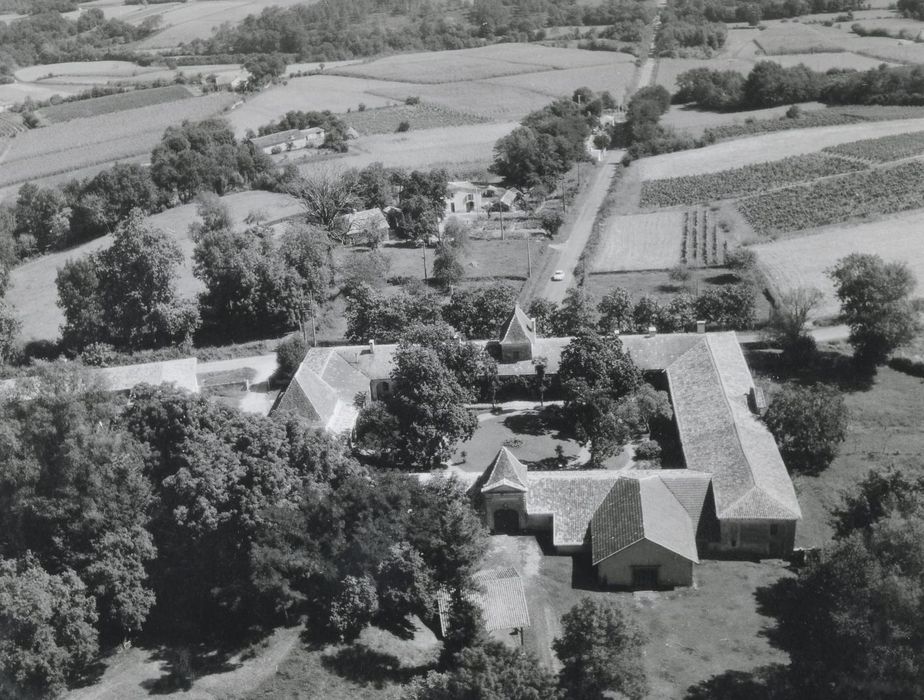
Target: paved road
<point>579,230</point>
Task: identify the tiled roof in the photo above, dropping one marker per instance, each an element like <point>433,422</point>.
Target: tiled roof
<point>506,471</point>
<point>519,328</point>
<point>641,509</point>
<point>571,498</point>
<point>276,139</point>
<point>500,596</point>
<point>363,220</point>
<point>709,389</point>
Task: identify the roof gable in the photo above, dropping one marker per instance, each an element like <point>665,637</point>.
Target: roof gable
<point>641,509</point>
<point>519,328</point>
<point>506,471</point>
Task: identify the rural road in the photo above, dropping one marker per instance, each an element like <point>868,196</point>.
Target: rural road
<point>579,230</point>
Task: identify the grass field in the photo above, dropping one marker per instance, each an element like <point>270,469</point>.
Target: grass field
<point>82,72</point>
<point>756,149</point>
<point>641,242</point>
<point>455,147</point>
<point>385,120</point>
<point>696,121</point>
<point>81,143</point>
<point>114,103</point>
<point>615,77</point>
<point>794,38</point>
<point>802,261</point>
<point>313,92</point>
<point>33,293</point>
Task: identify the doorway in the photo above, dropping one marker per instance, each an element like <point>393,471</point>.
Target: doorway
<point>506,520</point>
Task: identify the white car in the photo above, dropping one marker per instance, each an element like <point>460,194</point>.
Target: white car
<point>558,276</point>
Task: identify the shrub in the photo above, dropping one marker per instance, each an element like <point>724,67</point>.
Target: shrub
<point>794,112</point>
<point>741,259</point>
<point>289,355</point>
<point>648,450</point>
<point>412,100</point>
<point>403,126</point>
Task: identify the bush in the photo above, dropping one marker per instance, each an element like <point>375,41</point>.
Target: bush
<point>648,450</point>
<point>794,112</point>
<point>412,101</point>
<point>403,126</point>
<point>289,355</point>
<point>741,259</point>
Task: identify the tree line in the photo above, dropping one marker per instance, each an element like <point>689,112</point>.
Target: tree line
<point>769,85</point>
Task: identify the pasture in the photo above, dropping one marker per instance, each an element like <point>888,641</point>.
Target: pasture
<point>32,291</point>
<point>452,147</point>
<point>82,72</point>
<point>696,121</point>
<point>781,38</point>
<point>385,120</point>
<point>640,242</point>
<point>756,149</point>
<point>81,143</point>
<point>802,261</point>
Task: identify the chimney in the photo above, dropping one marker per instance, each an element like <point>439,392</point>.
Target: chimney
<point>757,402</point>
<point>700,326</point>
<point>372,346</point>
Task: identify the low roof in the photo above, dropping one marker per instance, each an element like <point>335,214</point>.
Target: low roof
<point>362,220</point>
<point>505,472</point>
<point>276,139</point>
<point>500,596</point>
<point>181,373</point>
<point>641,509</point>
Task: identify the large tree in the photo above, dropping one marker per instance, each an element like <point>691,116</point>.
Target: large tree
<point>876,303</point>
<point>428,407</point>
<point>600,649</point>
<point>42,218</point>
<point>48,635</point>
<point>422,200</point>
<point>126,294</point>
<point>809,424</point>
<point>480,312</point>
<point>373,315</point>
<point>76,495</point>
<point>852,620</point>
<point>598,379</point>
<point>204,157</point>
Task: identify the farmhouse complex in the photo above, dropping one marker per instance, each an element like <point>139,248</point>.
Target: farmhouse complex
<point>643,528</point>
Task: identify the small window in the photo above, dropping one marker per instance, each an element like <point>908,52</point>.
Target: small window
<point>774,529</point>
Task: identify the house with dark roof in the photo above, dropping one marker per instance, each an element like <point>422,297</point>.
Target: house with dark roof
<point>734,491</point>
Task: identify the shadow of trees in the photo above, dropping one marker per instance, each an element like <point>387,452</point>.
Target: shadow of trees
<point>826,367</point>
<point>366,666</point>
<point>764,683</point>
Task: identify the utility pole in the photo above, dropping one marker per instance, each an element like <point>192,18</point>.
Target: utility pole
<point>529,261</point>
<point>501,210</point>
<point>423,249</point>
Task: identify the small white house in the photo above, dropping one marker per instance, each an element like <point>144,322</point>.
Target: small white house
<point>290,140</point>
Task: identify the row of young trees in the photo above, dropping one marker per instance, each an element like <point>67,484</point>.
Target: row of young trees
<point>173,513</point>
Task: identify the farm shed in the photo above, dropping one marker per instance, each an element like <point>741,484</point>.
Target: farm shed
<point>290,140</point>
<point>502,600</point>
<point>366,223</point>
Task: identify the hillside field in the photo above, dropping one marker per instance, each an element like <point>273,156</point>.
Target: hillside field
<point>33,293</point>
<point>801,262</point>
<point>758,149</point>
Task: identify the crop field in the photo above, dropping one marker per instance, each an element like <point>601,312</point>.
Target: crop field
<point>792,38</point>
<point>703,242</point>
<point>640,242</point>
<point>696,121</point>
<point>450,147</point>
<point>883,149</point>
<point>865,193</point>
<point>802,261</point>
<point>80,143</point>
<point>827,60</point>
<point>315,93</point>
<point>747,151</point>
<point>32,290</point>
<point>82,72</point>
<point>114,103</point>
<point>616,78</point>
<point>481,63</point>
<point>385,120</point>
<point>746,180</point>
<point>481,98</point>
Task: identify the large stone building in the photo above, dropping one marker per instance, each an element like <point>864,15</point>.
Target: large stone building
<point>733,498</point>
